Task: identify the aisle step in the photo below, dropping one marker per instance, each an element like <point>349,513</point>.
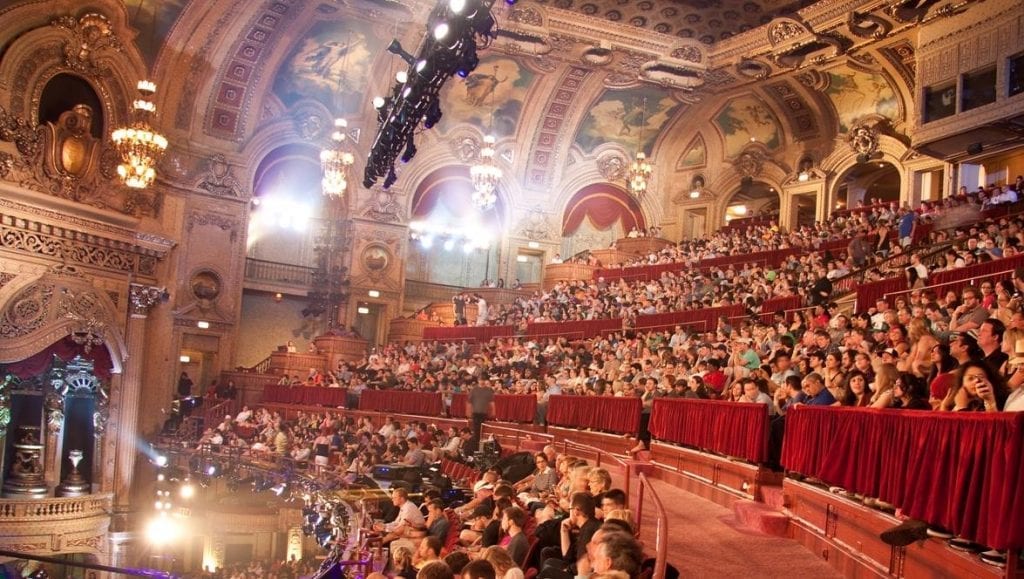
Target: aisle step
<point>761,518</point>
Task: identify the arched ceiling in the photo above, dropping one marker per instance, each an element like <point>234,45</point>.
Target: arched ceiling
<point>708,21</point>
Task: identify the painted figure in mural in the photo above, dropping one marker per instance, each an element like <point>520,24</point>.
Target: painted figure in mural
<point>480,87</point>
<point>633,115</point>
<point>323,59</point>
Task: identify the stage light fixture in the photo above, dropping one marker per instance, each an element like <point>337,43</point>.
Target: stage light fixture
<point>160,460</point>
<point>410,149</point>
<point>441,31</point>
<point>402,76</point>
<point>421,66</point>
<point>378,102</point>
<point>396,48</point>
<point>457,6</point>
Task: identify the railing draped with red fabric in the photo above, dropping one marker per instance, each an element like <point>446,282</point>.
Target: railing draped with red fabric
<point>507,407</point>
<point>647,272</point>
<point>574,330</point>
<point>783,304</point>
<point>704,319</point>
<point>739,430</point>
<point>402,402</point>
<point>980,269</point>
<point>958,470</point>
<point>868,293</point>
<point>308,395</point>
<point>474,333</point>
<point>620,415</point>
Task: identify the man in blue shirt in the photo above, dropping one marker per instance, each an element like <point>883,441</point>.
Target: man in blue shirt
<point>906,229</point>
<point>817,394</point>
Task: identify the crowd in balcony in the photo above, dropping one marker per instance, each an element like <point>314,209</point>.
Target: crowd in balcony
<point>564,519</point>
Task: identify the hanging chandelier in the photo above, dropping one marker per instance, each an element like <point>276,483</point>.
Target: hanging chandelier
<point>335,161</point>
<point>485,175</point>
<point>640,169</point>
<point>138,144</point>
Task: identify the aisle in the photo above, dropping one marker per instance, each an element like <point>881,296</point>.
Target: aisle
<point>705,541</point>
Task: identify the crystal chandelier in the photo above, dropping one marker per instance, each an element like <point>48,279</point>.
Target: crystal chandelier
<point>640,169</point>
<point>139,146</point>
<point>485,175</point>
<point>335,161</point>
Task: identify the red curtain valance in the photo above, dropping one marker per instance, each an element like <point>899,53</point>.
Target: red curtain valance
<point>65,349</point>
<point>604,204</point>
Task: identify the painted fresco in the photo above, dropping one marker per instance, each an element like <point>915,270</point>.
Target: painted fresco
<point>856,93</point>
<point>153,19</point>
<point>498,84</point>
<point>617,116</point>
<point>746,118</point>
<point>330,64</point>
<point>696,155</point>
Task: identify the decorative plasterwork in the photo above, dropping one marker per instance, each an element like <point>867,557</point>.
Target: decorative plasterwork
<point>73,246</point>
<point>92,38</point>
<point>901,56</point>
<point>552,133</point>
<point>64,160</point>
<point>383,206</point>
<point>241,73</point>
<point>863,139</point>
<point>219,179</point>
<point>218,220</point>
<point>794,42</point>
<point>536,225</point>
<point>802,119</point>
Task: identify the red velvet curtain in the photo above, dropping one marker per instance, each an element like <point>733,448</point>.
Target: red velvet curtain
<point>65,349</point>
<point>963,471</point>
<point>604,205</point>
<point>402,401</point>
<point>620,415</point>
<point>729,428</point>
<point>507,407</point>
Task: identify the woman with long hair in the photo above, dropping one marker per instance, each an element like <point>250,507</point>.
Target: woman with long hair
<point>856,392</point>
<point>978,388</point>
<point>919,360</point>
<point>884,381</point>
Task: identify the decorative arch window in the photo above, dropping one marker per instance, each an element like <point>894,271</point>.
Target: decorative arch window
<point>65,91</point>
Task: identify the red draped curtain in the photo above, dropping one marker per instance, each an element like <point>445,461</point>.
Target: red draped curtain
<point>65,349</point>
<point>604,204</point>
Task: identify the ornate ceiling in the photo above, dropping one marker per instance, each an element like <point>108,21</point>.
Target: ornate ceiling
<point>708,21</point>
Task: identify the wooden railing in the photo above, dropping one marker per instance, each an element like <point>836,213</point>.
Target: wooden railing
<point>280,273</point>
<point>54,510</point>
<point>261,367</point>
<point>661,531</point>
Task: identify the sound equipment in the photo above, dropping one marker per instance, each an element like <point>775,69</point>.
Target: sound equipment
<point>516,467</point>
<point>396,472</point>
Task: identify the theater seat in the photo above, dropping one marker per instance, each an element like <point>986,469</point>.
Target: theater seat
<point>451,540</point>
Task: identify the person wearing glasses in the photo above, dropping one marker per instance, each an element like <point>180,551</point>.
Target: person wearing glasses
<point>970,314</point>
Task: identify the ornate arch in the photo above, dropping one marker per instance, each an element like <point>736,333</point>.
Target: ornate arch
<point>36,311</point>
<point>844,157</point>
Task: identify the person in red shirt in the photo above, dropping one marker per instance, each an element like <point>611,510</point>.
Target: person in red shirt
<point>715,378</point>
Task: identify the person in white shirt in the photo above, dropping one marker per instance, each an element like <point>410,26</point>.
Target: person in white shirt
<point>409,517</point>
<point>244,415</point>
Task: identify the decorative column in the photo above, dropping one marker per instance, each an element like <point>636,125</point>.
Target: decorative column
<point>294,551</point>
<point>141,299</point>
<point>120,546</point>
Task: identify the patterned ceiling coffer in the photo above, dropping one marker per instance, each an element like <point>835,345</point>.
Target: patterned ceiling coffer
<point>237,78</point>
<point>901,57</point>
<point>802,121</point>
<point>548,137</point>
<point>705,20</point>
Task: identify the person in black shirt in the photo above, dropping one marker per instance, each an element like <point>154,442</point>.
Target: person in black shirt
<point>576,531</point>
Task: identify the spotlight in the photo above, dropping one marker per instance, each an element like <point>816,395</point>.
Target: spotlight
<point>433,114</point>
<point>160,460</point>
<point>441,31</point>
<point>456,6</point>
<point>279,488</point>
<point>421,66</point>
<point>410,149</point>
<point>449,244</point>
<point>187,490</point>
<point>426,241</point>
<point>390,179</point>
<point>402,76</point>
<point>378,102</point>
<point>211,470</point>
<point>396,48</point>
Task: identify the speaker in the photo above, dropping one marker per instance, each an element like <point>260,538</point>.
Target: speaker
<point>975,148</point>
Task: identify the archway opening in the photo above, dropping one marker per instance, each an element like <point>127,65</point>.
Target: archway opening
<point>453,242</point>
<point>868,183</point>
<point>753,202</point>
<point>65,91</point>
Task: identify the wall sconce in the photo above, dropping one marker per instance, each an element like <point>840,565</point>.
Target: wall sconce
<point>278,297</point>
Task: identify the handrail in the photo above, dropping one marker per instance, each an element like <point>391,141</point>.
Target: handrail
<point>278,272</point>
<point>598,454</point>
<point>261,367</point>
<point>850,280</point>
<point>964,281</point>
<point>661,532</point>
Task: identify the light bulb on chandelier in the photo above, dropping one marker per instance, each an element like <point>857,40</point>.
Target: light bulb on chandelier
<point>138,144</point>
<point>335,161</point>
<point>485,175</point>
<point>640,169</point>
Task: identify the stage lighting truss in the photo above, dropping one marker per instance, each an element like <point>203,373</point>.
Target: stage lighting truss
<point>455,30</point>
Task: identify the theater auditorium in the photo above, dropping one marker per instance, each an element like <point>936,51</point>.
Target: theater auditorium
<point>487,289</point>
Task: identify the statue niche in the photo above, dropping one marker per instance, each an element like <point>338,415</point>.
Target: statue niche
<point>72,151</point>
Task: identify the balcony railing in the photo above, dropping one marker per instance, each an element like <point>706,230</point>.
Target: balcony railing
<point>272,272</point>
<point>56,509</point>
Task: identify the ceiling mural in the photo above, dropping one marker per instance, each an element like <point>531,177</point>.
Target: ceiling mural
<point>626,116</point>
<point>857,93</point>
<point>330,64</point>
<point>744,120</point>
<point>153,20</point>
<point>705,20</point>
<point>498,84</point>
<point>696,155</point>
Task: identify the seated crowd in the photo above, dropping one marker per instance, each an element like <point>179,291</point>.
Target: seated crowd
<point>565,518</point>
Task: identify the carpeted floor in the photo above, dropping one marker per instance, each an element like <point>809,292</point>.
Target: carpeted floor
<point>705,541</point>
